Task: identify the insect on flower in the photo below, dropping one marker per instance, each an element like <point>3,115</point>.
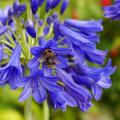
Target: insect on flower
<point>49,58</point>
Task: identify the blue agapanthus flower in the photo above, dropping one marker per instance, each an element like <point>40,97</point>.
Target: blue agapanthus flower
<point>37,85</point>
<point>82,36</point>
<point>49,54</point>
<point>113,11</point>
<point>49,58</point>
<point>12,71</point>
<point>92,77</point>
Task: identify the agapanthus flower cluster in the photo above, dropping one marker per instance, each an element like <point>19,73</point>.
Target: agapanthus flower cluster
<point>49,58</point>
<point>112,11</point>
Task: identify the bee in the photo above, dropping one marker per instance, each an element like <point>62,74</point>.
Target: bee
<point>49,58</point>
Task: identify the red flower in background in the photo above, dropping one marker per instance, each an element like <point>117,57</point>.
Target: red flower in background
<point>106,2</point>
<point>114,53</point>
<point>75,14</point>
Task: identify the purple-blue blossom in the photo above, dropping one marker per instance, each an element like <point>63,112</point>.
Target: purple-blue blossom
<point>38,85</point>
<point>12,71</point>
<point>48,58</point>
<point>112,11</point>
<point>82,37</point>
<point>56,55</point>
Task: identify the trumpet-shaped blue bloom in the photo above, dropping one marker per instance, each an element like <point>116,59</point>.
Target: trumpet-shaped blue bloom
<point>37,85</point>
<point>94,78</point>
<point>82,37</point>
<point>80,94</point>
<point>51,45</point>
<point>61,100</point>
<point>12,71</point>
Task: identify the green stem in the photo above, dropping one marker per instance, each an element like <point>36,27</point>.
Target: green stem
<point>28,109</point>
<point>10,39</point>
<point>50,32</point>
<point>46,111</point>
<point>7,43</point>
<point>41,29</point>
<point>29,12</point>
<point>22,41</point>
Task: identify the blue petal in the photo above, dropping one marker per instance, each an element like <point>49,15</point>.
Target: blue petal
<point>22,8</point>
<point>62,51</point>
<point>108,68</point>
<point>92,25</point>
<point>30,29</point>
<point>4,15</point>
<point>4,73</point>
<point>3,29</point>
<point>3,82</point>
<point>41,2</point>
<point>10,12</point>
<point>112,11</point>
<point>48,4</point>
<point>55,16</point>
<point>15,59</point>
<point>82,103</point>
<point>49,20</point>
<point>14,75</point>
<point>34,5</point>
<point>64,6</point>
<point>50,44</point>
<point>57,28</point>
<point>47,71</point>
<point>26,92</point>
<point>73,35</point>
<point>50,85</point>
<point>58,101</point>
<point>1,52</point>
<point>42,41</point>
<point>38,92</point>
<point>68,99</point>
<point>16,5</point>
<point>105,81</point>
<point>54,3</point>
<point>67,79</point>
<point>96,56</point>
<point>36,50</point>
<point>97,92</point>
<point>83,80</point>
<point>90,36</point>
<point>34,63</point>
<point>22,82</point>
<point>10,75</point>
<point>62,62</point>
<point>46,30</point>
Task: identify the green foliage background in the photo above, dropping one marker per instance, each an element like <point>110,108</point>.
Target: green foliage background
<point>108,108</point>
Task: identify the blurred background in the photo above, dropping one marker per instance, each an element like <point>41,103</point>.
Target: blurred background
<point>108,108</point>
